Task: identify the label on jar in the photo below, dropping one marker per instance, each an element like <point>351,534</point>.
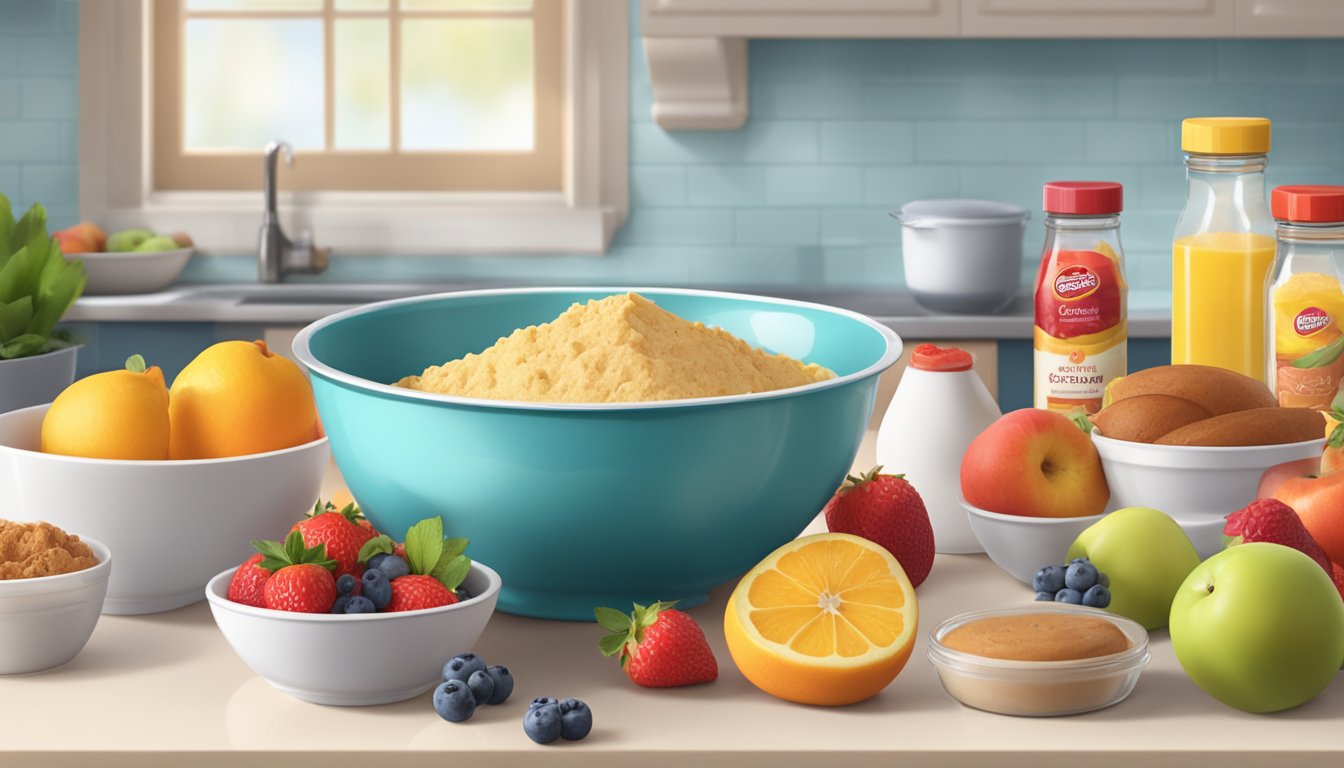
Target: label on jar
<point>1307,341</point>
<point>1080,335</point>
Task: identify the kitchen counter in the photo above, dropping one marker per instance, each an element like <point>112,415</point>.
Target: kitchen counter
<point>302,303</point>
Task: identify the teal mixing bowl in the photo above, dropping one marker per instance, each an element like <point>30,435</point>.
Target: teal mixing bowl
<point>581,505</point>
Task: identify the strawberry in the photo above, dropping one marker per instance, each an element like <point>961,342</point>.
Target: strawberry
<point>886,510</point>
<point>413,592</point>
<point>248,581</point>
<point>659,647</point>
<point>340,532</point>
<point>400,550</point>
<point>1275,522</point>
<point>301,579</point>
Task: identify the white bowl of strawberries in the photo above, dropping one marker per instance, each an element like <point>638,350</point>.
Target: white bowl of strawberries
<point>418,604</point>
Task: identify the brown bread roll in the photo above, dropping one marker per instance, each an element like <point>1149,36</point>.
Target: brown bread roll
<point>1218,390</point>
<point>1145,418</point>
<point>1258,426</point>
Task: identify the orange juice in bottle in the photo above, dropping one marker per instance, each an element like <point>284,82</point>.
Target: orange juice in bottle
<point>1081,332</point>
<point>1306,301</point>
<point>1223,251</point>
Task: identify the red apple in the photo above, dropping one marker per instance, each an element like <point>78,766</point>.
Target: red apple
<point>1035,463</point>
<point>1319,501</point>
<point>1277,474</point>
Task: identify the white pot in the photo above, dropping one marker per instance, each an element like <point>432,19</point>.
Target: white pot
<point>35,380</point>
<point>962,255</point>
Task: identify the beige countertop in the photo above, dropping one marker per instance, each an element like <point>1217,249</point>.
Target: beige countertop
<point>166,690</point>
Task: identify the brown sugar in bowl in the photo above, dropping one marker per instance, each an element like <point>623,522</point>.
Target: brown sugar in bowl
<point>1039,660</point>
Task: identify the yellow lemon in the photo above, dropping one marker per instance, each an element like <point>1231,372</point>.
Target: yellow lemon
<point>111,415</point>
<point>828,619</point>
<point>1298,292</point>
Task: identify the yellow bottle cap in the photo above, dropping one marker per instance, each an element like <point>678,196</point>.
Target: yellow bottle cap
<point>1225,135</point>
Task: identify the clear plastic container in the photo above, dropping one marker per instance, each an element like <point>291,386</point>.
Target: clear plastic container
<point>1039,688</point>
<point>1304,341</point>
<point>1223,250</point>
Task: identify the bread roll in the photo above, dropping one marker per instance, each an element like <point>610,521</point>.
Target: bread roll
<point>1258,426</point>
<point>1145,418</point>
<point>1217,390</point>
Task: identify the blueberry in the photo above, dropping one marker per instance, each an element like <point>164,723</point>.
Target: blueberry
<point>462,594</point>
<point>1080,576</point>
<point>576,719</point>
<point>481,685</point>
<point>1103,579</point>
<point>1069,596</point>
<point>376,587</point>
<point>1048,579</point>
<point>453,701</point>
<point>345,583</point>
<point>542,701</point>
<point>393,566</point>
<point>376,560</point>
<point>1078,560</point>
<point>542,724</point>
<point>503,684</point>
<point>1097,596</point>
<point>339,605</point>
<point>360,604</point>
<point>1049,597</point>
<point>461,666</point>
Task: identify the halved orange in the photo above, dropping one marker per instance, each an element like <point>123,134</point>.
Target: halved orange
<point>826,619</point>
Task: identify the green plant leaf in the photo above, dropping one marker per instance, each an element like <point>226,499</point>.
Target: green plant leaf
<point>22,345</point>
<point>1323,356</point>
<point>7,225</point>
<point>33,269</point>
<point>451,572</point>
<point>612,644</point>
<point>612,620</point>
<point>378,544</point>
<point>424,545</point>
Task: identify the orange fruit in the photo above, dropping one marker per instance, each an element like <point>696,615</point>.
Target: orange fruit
<point>111,415</point>
<point>827,619</point>
<point>238,398</point>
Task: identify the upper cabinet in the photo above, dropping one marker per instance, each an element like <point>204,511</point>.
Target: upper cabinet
<point>697,49</point>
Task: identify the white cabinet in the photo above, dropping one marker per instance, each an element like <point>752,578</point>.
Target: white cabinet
<point>800,18</point>
<point>1098,18</point>
<point>1290,18</point>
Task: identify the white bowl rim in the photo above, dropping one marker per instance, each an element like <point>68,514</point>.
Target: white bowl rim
<point>57,583</point>
<point>152,462</point>
<point>1028,519</point>
<point>218,597</point>
<point>115,255</point>
<point>305,355</point>
<point>1213,449</point>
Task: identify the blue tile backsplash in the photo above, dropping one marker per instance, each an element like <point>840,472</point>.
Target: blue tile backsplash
<point>841,131</point>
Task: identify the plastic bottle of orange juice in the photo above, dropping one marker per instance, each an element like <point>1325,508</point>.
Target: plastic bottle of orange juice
<point>1224,246</point>
<point>1306,345</point>
<point>1081,335</point>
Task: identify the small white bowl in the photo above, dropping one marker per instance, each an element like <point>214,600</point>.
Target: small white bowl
<point>1206,533</point>
<point>45,621</point>
<point>1022,545</point>
<point>310,656</point>
<point>1191,482</point>
<point>173,524</point>
<point>112,273</point>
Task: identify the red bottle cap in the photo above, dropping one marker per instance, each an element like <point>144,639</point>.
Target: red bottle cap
<point>1083,198</point>
<point>1311,204</point>
<point>930,357</point>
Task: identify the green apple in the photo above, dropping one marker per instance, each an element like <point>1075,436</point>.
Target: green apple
<point>158,244</point>
<point>1259,627</point>
<point>127,239</point>
<point>1146,556</point>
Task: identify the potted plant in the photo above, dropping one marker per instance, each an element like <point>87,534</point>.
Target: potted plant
<point>37,287</point>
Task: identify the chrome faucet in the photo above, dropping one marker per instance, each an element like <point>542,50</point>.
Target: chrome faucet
<point>277,255</point>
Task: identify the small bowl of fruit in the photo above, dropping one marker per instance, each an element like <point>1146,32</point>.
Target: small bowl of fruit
<point>135,260</point>
<point>1031,482</point>
<point>297,609</point>
<point>174,486</point>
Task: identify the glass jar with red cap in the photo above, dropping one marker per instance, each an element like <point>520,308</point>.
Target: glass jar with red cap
<point>1081,334</point>
<point>1305,300</point>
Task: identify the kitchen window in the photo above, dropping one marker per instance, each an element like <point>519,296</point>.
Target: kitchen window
<point>431,126</point>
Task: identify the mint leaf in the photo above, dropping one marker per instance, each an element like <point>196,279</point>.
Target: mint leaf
<point>612,620</point>
<point>451,572</point>
<point>378,544</point>
<point>424,545</point>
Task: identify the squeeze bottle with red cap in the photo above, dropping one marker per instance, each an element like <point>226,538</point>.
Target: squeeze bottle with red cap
<point>1081,334</point>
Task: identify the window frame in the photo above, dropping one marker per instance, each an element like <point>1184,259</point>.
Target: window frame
<point>116,176</point>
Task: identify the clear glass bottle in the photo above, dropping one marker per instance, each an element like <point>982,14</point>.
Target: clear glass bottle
<point>1223,250</point>
<point>1082,330</point>
<point>1306,301</point>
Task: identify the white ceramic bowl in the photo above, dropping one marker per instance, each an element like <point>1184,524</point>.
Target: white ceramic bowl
<point>962,255</point>
<point>132,272</point>
<point>45,622</point>
<point>172,524</point>
<point>309,655</point>
<point>1206,533</point>
<point>1022,545</point>
<point>1191,482</point>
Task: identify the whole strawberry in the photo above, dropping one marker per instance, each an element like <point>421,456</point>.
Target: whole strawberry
<point>340,531</point>
<point>248,582</point>
<point>1275,522</point>
<point>414,592</point>
<point>886,510</point>
<point>659,647</point>
<point>301,580</point>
